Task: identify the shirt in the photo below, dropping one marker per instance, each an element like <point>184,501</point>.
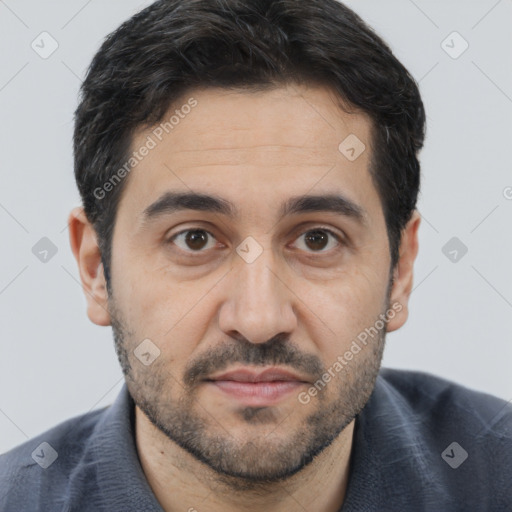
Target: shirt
<point>421,443</point>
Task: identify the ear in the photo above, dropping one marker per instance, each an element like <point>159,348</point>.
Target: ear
<point>83,240</point>
<point>403,273</point>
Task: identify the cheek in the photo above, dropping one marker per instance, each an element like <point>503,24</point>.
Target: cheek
<point>157,309</point>
<point>342,310</point>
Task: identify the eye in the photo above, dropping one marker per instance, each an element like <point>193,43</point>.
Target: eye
<point>318,239</point>
<point>194,240</point>
<point>199,240</point>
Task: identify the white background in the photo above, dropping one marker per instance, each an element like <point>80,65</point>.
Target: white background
<point>55,364</point>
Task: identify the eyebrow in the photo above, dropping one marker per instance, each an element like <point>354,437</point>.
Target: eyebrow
<point>171,202</point>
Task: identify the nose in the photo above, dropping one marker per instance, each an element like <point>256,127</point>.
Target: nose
<point>258,305</point>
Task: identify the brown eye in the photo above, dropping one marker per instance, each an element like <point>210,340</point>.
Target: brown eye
<point>194,240</point>
<point>316,240</point>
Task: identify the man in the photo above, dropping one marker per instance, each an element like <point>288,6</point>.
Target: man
<point>249,174</point>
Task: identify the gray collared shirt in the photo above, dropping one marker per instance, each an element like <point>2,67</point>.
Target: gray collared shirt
<point>421,443</point>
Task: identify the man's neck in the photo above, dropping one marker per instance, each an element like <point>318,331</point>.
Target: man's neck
<point>181,482</point>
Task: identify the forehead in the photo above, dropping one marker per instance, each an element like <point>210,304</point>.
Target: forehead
<point>253,147</point>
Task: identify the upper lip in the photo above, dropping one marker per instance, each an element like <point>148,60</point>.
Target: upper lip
<point>267,375</point>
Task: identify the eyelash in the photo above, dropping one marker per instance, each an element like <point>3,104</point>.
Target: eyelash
<point>309,230</point>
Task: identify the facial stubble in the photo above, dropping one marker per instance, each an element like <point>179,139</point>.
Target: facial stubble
<point>262,460</point>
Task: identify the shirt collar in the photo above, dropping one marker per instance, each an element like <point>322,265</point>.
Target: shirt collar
<point>390,455</point>
<point>121,480</point>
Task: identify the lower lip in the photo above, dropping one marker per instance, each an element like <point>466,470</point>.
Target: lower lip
<point>257,393</point>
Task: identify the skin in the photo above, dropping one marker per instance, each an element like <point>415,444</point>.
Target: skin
<point>214,311</point>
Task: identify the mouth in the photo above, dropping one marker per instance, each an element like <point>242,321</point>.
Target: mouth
<point>257,388</point>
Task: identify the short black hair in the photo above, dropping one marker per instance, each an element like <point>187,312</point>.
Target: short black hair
<point>174,46</point>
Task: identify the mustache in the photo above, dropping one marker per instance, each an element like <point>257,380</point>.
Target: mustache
<point>276,351</point>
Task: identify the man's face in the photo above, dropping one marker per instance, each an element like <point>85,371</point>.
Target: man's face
<point>254,290</point>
